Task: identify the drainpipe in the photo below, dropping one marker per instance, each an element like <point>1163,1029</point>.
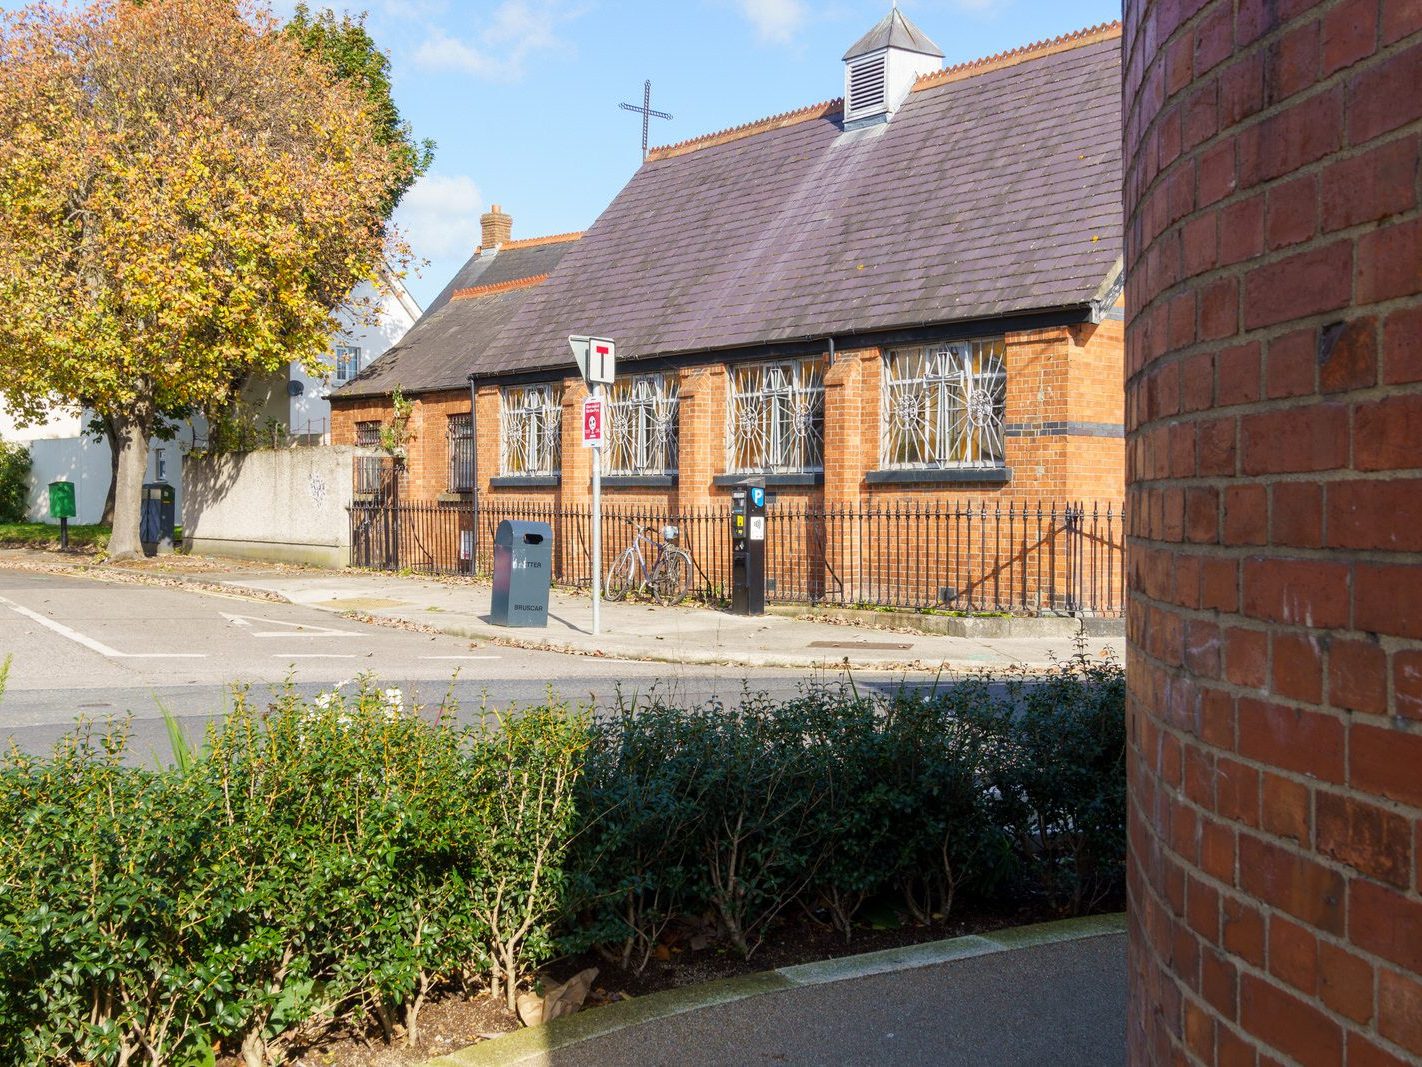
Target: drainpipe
<point>831,348</point>
<point>474,471</point>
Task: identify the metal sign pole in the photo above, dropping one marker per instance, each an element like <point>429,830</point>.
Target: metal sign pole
<point>597,526</point>
<point>596,358</point>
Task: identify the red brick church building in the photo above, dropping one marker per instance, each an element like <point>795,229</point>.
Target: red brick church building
<point>908,298</point>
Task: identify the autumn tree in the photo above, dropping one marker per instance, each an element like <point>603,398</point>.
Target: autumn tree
<point>343,44</point>
<point>186,196</point>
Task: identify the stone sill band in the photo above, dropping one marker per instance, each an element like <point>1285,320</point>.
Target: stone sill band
<point>941,476</point>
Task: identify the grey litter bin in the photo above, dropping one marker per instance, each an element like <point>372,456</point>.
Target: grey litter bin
<point>523,566</point>
<point>157,517</point>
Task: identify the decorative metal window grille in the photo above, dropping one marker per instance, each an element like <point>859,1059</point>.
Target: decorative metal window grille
<point>530,421</point>
<point>368,468</point>
<point>944,406</point>
<point>460,429</point>
<point>776,418</point>
<point>347,362</point>
<point>643,427</point>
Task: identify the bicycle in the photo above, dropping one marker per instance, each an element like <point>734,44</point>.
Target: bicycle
<point>667,577</point>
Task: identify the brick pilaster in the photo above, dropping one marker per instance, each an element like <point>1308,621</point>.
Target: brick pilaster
<point>702,422</point>
<point>575,483</point>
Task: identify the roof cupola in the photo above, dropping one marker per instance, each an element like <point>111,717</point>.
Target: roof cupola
<point>882,66</point>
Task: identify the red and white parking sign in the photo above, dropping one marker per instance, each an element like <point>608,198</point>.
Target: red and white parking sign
<point>594,422</point>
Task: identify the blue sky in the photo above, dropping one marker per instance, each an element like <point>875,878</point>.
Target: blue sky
<point>522,95</point>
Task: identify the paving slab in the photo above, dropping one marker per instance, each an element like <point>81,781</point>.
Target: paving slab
<point>681,634</point>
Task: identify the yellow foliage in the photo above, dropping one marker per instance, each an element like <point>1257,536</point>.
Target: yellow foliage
<point>185,198</point>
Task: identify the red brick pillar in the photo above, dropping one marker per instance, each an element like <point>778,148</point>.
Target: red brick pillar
<point>848,457</point>
<point>572,528</point>
<point>486,430</point>
<point>1274,416</point>
<point>701,427</point>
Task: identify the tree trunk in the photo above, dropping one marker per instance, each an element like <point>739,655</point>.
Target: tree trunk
<point>131,431</point>
<point>107,518</point>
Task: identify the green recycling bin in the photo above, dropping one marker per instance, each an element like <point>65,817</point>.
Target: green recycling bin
<point>61,500</point>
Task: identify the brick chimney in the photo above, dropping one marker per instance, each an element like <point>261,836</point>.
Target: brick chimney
<point>498,227</point>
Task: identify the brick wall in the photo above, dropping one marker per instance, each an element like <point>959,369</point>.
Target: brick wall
<point>1063,403</point>
<point>1274,395</point>
<point>427,467</point>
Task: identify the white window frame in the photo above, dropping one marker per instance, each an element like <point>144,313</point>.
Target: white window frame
<point>530,430</point>
<point>775,417</point>
<point>346,352</point>
<point>944,406</point>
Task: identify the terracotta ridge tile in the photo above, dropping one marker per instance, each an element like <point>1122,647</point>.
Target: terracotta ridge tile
<point>1037,50</point>
<point>498,287</point>
<point>534,242</point>
<point>749,129</point>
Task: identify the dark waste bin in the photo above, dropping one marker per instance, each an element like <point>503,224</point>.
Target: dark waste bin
<point>523,567</point>
<point>158,517</point>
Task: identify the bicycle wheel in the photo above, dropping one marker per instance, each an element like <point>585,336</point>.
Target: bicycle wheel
<point>619,577</point>
<point>672,581</point>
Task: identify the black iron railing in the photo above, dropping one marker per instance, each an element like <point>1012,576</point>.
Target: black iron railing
<point>1022,558</point>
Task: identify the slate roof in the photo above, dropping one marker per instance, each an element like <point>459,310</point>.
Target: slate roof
<point>894,31</point>
<point>995,190</point>
<point>437,351</point>
<point>510,262</point>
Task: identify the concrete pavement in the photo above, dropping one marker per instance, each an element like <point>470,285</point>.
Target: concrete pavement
<point>684,634</point>
<point>1054,993</point>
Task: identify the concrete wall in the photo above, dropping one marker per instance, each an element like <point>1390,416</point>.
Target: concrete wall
<point>61,451</point>
<point>287,505</point>
<point>1274,397</point>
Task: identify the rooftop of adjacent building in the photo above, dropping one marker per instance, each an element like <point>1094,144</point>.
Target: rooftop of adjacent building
<point>468,312</point>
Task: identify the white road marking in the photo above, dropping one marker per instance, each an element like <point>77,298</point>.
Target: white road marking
<point>88,642</point>
<point>295,629</point>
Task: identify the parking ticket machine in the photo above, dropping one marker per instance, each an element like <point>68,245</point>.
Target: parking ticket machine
<point>748,548</point>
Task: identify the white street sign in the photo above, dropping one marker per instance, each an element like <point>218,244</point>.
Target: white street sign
<point>596,358</point>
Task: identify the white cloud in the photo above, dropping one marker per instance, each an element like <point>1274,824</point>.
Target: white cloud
<point>499,49</point>
<point>439,216</point>
<point>775,21</point>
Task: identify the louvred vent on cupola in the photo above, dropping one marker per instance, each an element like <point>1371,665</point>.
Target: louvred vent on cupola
<point>867,89</point>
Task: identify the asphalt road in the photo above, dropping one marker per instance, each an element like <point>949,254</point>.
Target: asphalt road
<point>81,647</point>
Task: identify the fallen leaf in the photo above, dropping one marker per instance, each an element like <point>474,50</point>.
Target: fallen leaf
<point>557,1001</point>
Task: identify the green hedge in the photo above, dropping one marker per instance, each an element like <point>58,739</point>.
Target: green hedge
<point>15,464</point>
<point>341,860</point>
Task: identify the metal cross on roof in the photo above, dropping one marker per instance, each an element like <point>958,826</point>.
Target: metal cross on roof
<point>646,112</point>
